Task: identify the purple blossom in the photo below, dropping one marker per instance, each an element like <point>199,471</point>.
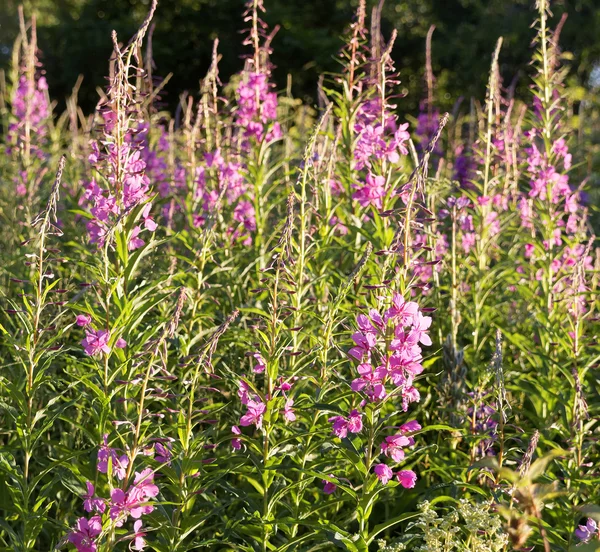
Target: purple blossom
<point>90,502</point>
<point>407,478</point>
<point>341,425</point>
<point>328,486</point>
<point>84,535</point>
<point>236,444</point>
<point>393,447</point>
<point>288,412</point>
<point>96,341</point>
<point>138,536</point>
<point>384,473</point>
<point>586,532</point>
<point>83,320</point>
<point>254,414</point>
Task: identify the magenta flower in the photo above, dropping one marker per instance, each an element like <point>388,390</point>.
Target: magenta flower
<point>236,444</point>
<point>135,501</point>
<point>119,507</point>
<point>254,415</point>
<point>372,192</point>
<point>370,381</point>
<point>407,478</point>
<point>341,426</point>
<point>418,332</point>
<point>410,427</point>
<point>328,486</point>
<point>119,463</point>
<point>138,536</point>
<point>120,343</point>
<point>134,241</point>
<point>85,533</point>
<point>96,341</point>
<point>149,223</point>
<point>384,473</point>
<point>365,342</point>
<point>288,412</point>
<point>401,312</point>
<point>260,365</point>
<point>393,447</point>
<point>90,503</point>
<point>83,320</point>
<point>355,424</point>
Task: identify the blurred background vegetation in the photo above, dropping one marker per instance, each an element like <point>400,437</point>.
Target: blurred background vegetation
<point>74,37</point>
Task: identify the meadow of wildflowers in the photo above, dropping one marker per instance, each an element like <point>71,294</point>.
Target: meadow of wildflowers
<point>255,324</point>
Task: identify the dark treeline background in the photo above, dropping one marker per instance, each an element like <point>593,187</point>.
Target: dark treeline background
<point>74,37</point>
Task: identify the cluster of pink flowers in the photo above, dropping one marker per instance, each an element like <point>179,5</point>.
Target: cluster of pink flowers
<point>30,110</point>
<point>29,107</point>
<point>393,447</point>
<point>379,138</point>
<point>124,169</point>
<point>229,178</point>
<point>134,502</point>
<point>388,349</point>
<point>257,108</point>
<point>548,183</point>
<point>393,342</point>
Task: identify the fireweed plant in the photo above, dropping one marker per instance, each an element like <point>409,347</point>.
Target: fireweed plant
<point>255,325</point>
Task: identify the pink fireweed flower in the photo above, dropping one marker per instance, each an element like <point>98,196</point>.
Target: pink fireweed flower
<point>355,424</point>
<point>418,332</point>
<point>529,250</point>
<point>134,241</point>
<point>119,463</point>
<point>392,447</point>
<point>83,320</point>
<point>96,341</point>
<point>410,427</point>
<point>288,412</point>
<point>370,381</point>
<point>401,312</point>
<point>134,502</point>
<point>341,426</point>
<point>243,392</point>
<point>328,486</point>
<point>120,343</point>
<point>90,502</point>
<point>407,478</point>
<point>365,324</point>
<point>254,415</point>
<point>365,342</point>
<point>372,192</point>
<point>260,365</point>
<point>149,223</point>
<point>138,542</point>
<point>384,473</point>
<point>236,444</point>
<point>85,533</point>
